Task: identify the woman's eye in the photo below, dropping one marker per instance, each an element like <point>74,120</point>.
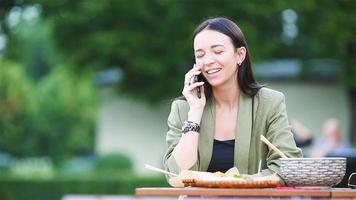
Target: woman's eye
<point>218,52</point>
<point>199,56</point>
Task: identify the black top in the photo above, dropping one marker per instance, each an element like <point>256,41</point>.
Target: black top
<point>222,158</point>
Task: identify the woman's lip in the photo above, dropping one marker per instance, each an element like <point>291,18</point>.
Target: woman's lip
<point>213,71</point>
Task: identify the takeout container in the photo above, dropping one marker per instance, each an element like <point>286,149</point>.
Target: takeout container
<point>325,172</point>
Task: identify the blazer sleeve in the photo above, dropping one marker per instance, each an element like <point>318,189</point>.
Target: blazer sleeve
<point>279,133</point>
<point>173,136</point>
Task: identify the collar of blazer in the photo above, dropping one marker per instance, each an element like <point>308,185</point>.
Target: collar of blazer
<point>242,134</point>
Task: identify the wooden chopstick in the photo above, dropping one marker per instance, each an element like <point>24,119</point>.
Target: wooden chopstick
<point>159,170</point>
<point>270,145</point>
<point>259,167</point>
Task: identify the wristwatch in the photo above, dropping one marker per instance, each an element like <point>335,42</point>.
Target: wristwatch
<point>190,126</point>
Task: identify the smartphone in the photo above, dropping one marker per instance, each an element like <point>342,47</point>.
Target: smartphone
<point>198,78</point>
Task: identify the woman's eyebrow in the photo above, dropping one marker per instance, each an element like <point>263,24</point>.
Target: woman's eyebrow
<point>217,45</point>
<point>212,46</point>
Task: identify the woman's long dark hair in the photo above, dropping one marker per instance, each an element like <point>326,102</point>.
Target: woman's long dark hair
<point>246,80</point>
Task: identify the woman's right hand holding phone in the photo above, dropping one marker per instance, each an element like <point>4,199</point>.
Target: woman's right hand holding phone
<point>196,104</point>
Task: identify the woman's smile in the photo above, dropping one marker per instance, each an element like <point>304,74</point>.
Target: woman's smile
<point>213,71</point>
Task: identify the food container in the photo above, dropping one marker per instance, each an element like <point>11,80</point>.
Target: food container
<point>318,172</point>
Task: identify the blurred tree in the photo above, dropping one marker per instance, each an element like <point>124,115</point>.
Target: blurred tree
<point>54,114</point>
<point>56,117</point>
<point>5,7</point>
<point>150,40</point>
<point>38,53</point>
<point>66,104</point>
<point>17,108</point>
<point>29,40</point>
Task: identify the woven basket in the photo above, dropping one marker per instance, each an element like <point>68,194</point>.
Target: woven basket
<point>312,171</point>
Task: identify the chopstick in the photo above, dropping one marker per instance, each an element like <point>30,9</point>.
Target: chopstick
<point>270,145</point>
<point>259,167</point>
<point>159,170</point>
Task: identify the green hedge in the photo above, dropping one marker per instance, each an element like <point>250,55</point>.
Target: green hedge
<point>43,189</point>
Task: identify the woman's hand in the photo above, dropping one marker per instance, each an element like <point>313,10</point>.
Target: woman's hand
<point>196,104</point>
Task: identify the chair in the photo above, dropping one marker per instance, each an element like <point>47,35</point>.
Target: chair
<point>350,165</point>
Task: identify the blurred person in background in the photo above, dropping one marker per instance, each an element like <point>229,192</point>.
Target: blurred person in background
<point>301,133</point>
<point>220,128</point>
<point>331,142</point>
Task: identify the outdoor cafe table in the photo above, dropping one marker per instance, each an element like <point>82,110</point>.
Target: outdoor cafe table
<point>285,193</point>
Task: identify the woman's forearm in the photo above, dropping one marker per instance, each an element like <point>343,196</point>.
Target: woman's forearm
<point>186,151</point>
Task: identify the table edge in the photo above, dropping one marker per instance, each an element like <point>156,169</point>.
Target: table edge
<point>270,192</point>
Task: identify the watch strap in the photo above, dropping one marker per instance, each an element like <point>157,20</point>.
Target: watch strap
<point>190,126</point>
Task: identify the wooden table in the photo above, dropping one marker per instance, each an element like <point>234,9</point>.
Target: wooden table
<point>343,193</point>
<point>328,193</point>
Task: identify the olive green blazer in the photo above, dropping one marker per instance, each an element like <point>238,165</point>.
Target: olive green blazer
<point>270,120</point>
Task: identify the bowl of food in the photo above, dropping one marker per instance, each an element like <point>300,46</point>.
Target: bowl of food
<point>324,172</point>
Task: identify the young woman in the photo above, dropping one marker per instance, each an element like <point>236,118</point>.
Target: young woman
<point>222,128</point>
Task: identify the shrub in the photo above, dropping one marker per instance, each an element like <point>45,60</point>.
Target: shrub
<point>114,162</point>
<point>67,107</point>
<point>32,167</point>
<point>17,110</point>
<point>54,117</point>
<point>13,188</point>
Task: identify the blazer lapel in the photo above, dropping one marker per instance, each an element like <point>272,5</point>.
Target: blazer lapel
<point>206,137</point>
<point>243,133</point>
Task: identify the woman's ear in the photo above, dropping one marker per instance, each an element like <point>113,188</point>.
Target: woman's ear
<point>241,54</point>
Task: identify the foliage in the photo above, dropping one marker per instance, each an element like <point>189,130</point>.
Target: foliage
<point>38,56</point>
<point>29,41</point>
<point>150,40</point>
<point>17,108</point>
<point>13,188</point>
<point>328,30</point>
<point>54,117</point>
<point>66,113</point>
<point>6,5</point>
<point>112,162</point>
<point>32,167</point>
<point>76,165</point>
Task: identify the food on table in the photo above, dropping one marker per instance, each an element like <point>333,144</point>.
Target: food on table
<point>231,178</point>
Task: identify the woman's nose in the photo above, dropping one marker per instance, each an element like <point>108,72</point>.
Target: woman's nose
<point>208,60</point>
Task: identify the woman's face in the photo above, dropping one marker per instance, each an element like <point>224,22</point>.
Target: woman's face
<point>218,57</point>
